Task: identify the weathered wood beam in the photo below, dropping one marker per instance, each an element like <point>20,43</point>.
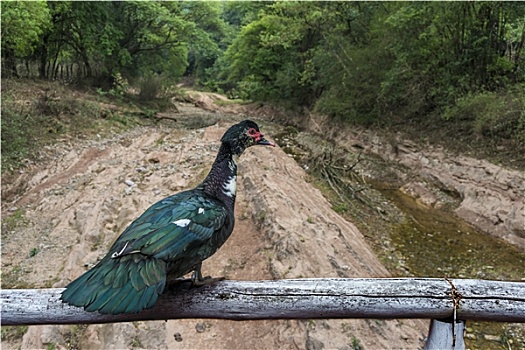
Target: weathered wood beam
<point>292,299</point>
<point>446,334</point>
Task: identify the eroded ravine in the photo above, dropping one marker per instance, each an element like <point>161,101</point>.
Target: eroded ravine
<point>286,229</point>
<point>414,236</point>
<point>74,207</point>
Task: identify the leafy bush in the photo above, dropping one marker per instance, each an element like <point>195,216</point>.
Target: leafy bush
<point>492,114</point>
<point>149,87</point>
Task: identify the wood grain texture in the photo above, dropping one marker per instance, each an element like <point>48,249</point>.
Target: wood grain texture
<point>446,334</point>
<point>320,298</point>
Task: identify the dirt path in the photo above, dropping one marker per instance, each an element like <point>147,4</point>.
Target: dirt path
<point>72,208</point>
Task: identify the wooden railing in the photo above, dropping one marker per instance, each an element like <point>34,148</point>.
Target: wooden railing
<point>448,302</point>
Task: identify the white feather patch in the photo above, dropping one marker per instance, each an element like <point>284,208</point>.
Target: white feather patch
<point>230,187</point>
<point>117,254</point>
<point>182,222</point>
<point>201,210</point>
<point>233,163</point>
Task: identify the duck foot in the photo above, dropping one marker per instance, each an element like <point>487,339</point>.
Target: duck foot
<point>199,281</point>
<point>207,280</point>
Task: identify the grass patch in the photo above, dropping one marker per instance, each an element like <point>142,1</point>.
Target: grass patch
<point>38,113</point>
<point>340,208</point>
<point>13,221</point>
<point>33,252</point>
<point>236,101</point>
<point>14,279</point>
<point>135,343</point>
<point>74,335</point>
<point>356,344</point>
<point>12,333</point>
<point>486,125</point>
<point>16,139</point>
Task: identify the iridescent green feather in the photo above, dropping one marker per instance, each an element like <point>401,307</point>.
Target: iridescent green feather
<point>133,274</point>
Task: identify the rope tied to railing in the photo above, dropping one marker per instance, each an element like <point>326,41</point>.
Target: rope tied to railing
<point>456,299</point>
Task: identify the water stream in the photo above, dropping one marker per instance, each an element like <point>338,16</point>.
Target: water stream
<point>436,243</point>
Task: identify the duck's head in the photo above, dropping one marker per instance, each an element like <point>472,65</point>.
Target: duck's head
<point>243,135</point>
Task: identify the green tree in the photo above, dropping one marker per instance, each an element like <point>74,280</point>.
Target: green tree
<point>210,36</point>
<point>134,39</point>
<point>22,26</point>
<point>372,61</point>
<point>269,57</point>
<point>443,51</point>
<point>301,51</point>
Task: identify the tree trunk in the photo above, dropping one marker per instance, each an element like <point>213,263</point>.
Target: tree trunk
<point>9,64</point>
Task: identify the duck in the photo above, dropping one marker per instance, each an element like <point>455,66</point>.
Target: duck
<point>170,239</point>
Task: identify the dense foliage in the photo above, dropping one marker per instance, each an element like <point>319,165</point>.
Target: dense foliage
<point>105,40</point>
<point>365,62</point>
<point>368,61</point>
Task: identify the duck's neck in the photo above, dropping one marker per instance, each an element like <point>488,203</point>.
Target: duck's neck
<point>221,182</point>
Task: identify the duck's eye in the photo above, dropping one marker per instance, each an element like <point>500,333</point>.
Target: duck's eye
<point>256,135</point>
